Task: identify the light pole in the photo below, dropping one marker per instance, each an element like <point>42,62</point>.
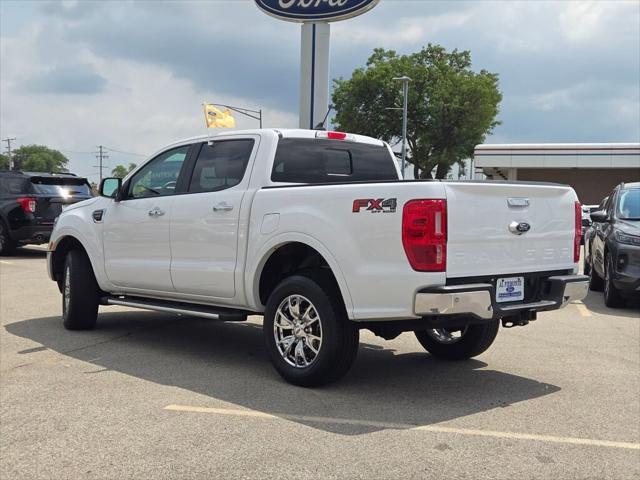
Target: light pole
<point>405,92</point>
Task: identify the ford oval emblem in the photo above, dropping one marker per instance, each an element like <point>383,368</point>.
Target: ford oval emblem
<point>315,10</point>
<point>519,228</point>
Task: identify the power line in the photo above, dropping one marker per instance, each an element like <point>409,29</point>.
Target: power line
<point>9,140</point>
<point>75,151</point>
<point>125,153</point>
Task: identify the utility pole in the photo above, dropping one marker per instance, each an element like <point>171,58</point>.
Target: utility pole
<point>405,92</point>
<point>9,140</point>
<point>101,155</point>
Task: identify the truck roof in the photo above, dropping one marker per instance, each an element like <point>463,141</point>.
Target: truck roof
<point>17,173</point>
<point>282,132</point>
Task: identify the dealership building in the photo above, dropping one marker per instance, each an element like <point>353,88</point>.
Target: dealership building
<point>592,169</point>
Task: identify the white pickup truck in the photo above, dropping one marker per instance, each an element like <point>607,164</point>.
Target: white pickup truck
<point>316,231</point>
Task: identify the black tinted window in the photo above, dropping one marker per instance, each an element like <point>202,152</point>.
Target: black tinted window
<point>61,186</point>
<point>14,185</point>
<point>220,165</point>
<point>310,160</point>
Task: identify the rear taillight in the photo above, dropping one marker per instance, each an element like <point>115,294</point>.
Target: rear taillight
<point>424,234</point>
<point>27,204</point>
<point>577,233</point>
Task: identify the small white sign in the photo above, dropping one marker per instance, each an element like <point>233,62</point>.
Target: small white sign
<point>510,289</point>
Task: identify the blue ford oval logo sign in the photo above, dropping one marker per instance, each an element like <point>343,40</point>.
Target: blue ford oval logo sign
<point>315,10</point>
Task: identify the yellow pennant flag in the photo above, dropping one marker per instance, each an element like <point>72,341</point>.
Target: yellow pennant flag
<point>217,118</point>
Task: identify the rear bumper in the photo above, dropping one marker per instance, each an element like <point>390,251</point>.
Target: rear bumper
<point>478,300</point>
<point>34,234</point>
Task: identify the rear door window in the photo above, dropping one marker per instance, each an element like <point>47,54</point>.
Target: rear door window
<point>311,160</point>
<point>220,165</point>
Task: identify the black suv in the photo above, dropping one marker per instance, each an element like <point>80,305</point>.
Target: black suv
<point>612,248</point>
<point>30,203</point>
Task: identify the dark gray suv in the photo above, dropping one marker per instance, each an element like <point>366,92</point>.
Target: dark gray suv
<point>612,249</point>
<point>30,203</point>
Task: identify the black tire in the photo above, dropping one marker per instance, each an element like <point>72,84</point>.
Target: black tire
<point>612,297</point>
<point>340,337</point>
<point>596,284</point>
<point>80,292</point>
<point>475,340</point>
<point>7,244</point>
<point>586,266</point>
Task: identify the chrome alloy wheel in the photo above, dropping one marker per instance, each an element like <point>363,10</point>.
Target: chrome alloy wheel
<point>66,294</point>
<point>297,331</point>
<point>446,335</point>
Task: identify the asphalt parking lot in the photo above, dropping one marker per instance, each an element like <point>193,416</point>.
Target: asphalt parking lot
<point>150,395</point>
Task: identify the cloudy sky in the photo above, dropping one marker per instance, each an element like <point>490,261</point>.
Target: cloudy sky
<point>132,75</point>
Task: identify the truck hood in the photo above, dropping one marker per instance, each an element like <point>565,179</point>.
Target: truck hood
<point>81,204</point>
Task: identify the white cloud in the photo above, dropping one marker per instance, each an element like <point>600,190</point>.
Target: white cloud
<point>557,61</point>
<point>142,108</point>
<point>591,22</point>
<point>403,30</point>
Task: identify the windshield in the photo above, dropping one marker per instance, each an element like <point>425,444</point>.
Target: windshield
<point>61,187</point>
<point>629,205</point>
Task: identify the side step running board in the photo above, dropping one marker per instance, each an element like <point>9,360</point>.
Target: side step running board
<point>205,311</point>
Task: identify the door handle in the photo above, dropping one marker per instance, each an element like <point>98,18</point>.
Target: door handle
<point>222,207</point>
<point>156,212</point>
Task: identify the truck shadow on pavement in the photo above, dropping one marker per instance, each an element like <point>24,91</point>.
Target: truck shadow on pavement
<point>227,362</point>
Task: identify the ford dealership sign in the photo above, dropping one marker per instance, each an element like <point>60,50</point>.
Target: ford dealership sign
<point>315,10</point>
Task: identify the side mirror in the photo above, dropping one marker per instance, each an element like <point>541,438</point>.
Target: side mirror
<point>599,216</point>
<point>110,187</point>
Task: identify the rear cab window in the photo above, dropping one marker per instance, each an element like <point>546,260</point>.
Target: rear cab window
<point>313,160</point>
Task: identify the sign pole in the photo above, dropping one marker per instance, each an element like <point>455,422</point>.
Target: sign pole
<point>314,73</point>
<point>315,16</point>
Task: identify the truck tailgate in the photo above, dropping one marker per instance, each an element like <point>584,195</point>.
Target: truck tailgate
<point>480,240</point>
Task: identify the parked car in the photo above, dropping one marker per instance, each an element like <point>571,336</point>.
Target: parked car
<point>316,231</point>
<point>30,203</point>
<point>586,218</point>
<point>612,248</point>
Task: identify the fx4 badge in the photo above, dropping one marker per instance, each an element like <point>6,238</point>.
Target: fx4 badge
<point>375,205</point>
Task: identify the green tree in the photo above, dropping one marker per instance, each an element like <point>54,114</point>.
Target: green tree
<point>451,108</point>
<point>4,162</point>
<point>121,171</point>
<point>38,158</point>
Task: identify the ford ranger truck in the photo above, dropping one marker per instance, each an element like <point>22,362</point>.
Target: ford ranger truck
<point>316,232</point>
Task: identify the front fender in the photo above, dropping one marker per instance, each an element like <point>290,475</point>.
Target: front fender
<point>78,224</point>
